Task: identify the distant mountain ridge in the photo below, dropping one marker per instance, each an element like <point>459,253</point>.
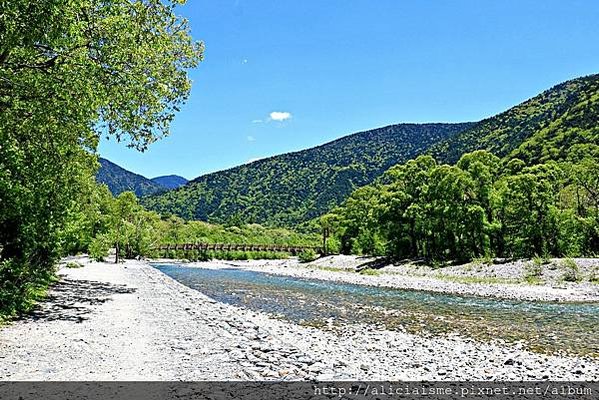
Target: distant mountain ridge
<point>295,187</point>
<point>170,181</point>
<point>119,180</point>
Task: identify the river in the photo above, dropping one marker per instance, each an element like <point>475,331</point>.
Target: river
<point>552,328</point>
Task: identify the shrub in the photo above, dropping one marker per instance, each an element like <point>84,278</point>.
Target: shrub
<point>307,256</point>
<point>571,271</point>
<point>234,255</point>
<point>533,270</point>
<point>17,298</point>
<point>74,264</point>
<point>539,261</point>
<point>203,256</point>
<point>267,255</point>
<point>483,260</point>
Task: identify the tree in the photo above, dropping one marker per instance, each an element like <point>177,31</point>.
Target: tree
<point>124,209</point>
<point>174,229</point>
<point>528,202</point>
<point>483,168</point>
<point>583,185</point>
<point>329,223</point>
<point>71,71</point>
<point>360,234</point>
<point>401,206</point>
<point>119,65</point>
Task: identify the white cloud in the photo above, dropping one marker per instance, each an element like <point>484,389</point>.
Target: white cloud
<point>280,115</point>
<point>251,138</point>
<point>244,61</point>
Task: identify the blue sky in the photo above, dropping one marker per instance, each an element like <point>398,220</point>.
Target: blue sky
<point>283,75</point>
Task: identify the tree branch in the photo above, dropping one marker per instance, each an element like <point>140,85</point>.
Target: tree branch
<point>4,56</point>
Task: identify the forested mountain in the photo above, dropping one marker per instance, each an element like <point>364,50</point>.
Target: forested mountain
<point>170,181</point>
<point>540,129</point>
<point>120,180</point>
<point>296,187</point>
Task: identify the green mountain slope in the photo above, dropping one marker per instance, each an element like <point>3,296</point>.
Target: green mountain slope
<point>296,187</point>
<point>537,130</point>
<point>120,180</point>
<point>170,181</point>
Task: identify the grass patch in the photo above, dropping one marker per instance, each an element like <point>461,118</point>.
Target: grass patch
<point>74,264</point>
<point>331,269</point>
<point>247,255</point>
<point>540,261</point>
<point>483,260</point>
<point>533,280</point>
<point>533,271</point>
<point>370,272</point>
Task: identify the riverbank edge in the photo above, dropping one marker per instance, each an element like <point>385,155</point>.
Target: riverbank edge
<point>399,279</point>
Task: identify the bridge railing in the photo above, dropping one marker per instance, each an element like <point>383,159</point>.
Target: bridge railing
<point>277,248</point>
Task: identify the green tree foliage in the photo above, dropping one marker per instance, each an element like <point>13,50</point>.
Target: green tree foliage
<point>528,210</point>
<point>480,207</point>
<point>71,71</point>
<point>307,256</point>
<point>127,227</point>
<point>86,218</point>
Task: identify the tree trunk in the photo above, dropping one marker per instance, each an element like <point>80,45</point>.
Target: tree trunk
<point>325,235</point>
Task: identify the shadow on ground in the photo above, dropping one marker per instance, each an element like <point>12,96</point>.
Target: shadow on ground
<point>73,300</point>
<point>373,264</point>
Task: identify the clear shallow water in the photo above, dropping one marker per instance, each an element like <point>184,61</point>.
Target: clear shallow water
<point>543,327</point>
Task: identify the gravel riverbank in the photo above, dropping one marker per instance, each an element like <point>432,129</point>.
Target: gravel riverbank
<point>131,322</point>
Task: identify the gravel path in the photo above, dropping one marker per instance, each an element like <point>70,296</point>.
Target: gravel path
<point>131,322</point>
